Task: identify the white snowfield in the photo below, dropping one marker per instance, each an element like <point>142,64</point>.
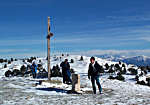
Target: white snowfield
<point>21,90</point>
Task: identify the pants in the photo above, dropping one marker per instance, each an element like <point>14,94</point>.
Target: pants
<point>93,79</point>
<point>66,76</point>
<point>34,75</point>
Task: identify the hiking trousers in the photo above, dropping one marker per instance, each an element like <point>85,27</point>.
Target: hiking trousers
<point>93,79</point>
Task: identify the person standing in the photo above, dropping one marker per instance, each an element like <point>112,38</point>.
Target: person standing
<point>34,69</point>
<point>93,74</point>
<point>66,71</point>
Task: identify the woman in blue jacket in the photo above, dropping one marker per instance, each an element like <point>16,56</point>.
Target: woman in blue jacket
<point>34,69</point>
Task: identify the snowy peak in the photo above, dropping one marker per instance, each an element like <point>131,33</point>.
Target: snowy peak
<point>115,58</point>
<point>137,60</point>
<point>141,58</point>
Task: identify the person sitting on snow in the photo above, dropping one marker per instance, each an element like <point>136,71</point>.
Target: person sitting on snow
<point>93,74</point>
<point>34,69</point>
<point>66,72</point>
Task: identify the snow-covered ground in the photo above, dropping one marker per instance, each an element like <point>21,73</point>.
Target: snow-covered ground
<point>21,90</point>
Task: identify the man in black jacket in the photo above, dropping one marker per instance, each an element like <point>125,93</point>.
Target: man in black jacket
<point>66,72</point>
<point>93,74</point>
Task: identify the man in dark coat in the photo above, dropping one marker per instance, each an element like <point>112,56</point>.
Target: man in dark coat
<point>66,71</point>
<point>93,74</point>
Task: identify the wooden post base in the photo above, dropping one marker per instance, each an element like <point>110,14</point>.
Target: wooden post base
<point>76,82</point>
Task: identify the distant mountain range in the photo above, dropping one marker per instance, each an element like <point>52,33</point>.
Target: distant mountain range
<point>137,60</point>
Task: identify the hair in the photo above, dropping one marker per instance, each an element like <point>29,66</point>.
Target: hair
<point>92,58</point>
<point>66,60</point>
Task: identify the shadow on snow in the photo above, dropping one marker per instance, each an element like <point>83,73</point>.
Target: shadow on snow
<point>53,89</point>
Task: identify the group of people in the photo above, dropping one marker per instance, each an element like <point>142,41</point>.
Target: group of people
<point>93,73</point>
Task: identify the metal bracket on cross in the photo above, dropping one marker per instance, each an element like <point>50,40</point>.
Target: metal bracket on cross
<point>49,35</point>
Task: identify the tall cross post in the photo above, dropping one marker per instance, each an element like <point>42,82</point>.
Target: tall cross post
<point>49,35</point>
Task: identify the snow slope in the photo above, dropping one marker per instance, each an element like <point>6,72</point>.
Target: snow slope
<point>20,90</point>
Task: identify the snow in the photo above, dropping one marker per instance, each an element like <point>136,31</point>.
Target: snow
<point>3,72</point>
<point>21,90</point>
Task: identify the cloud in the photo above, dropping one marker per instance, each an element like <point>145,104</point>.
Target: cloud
<point>20,42</point>
<point>24,55</point>
<point>77,39</point>
<point>22,3</point>
<point>127,53</point>
<point>131,18</point>
<point>145,38</point>
<point>12,50</point>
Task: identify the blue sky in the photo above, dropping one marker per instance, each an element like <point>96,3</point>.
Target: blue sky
<point>79,26</point>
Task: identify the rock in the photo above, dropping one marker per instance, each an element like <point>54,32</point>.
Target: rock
<point>42,74</point>
<point>55,72</point>
<point>133,71</point>
<point>39,67</point>
<point>23,69</point>
<point>124,71</point>
<point>9,62</point>
<point>5,66</point>
<point>137,78</point>
<point>101,69</point>
<point>123,65</point>
<point>148,68</point>
<point>117,66</point>
<point>107,66</point>
<point>148,80</point>
<point>141,82</point>
<point>120,77</point>
<point>111,70</point>
<point>1,60</point>
<point>8,73</point>
<point>111,77</point>
<point>72,61</point>
<point>11,59</point>
<point>119,62</point>
<point>16,72</point>
<point>81,59</point>
<point>72,71</point>
<point>23,60</point>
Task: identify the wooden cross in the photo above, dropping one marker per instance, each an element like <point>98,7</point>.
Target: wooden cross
<point>49,35</point>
